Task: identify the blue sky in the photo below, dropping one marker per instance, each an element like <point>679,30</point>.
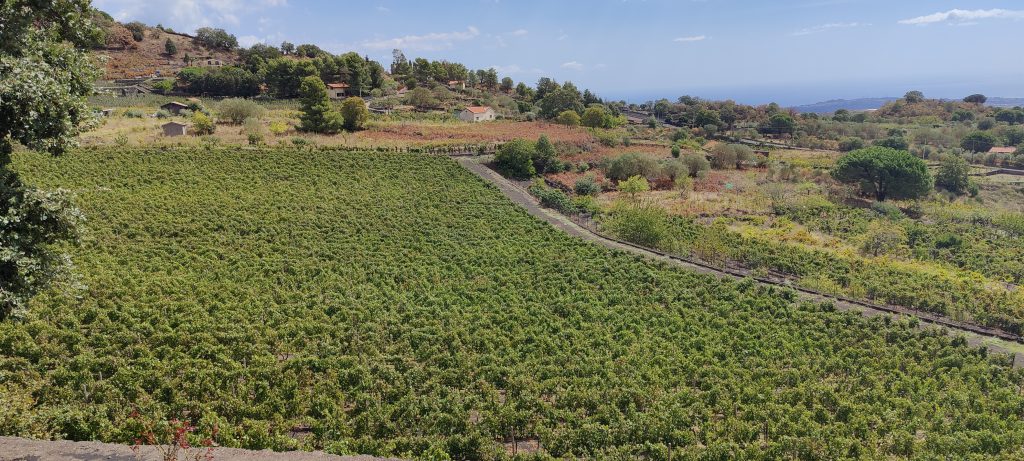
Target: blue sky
<point>789,51</point>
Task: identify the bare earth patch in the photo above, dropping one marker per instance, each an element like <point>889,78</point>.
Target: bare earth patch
<point>18,449</point>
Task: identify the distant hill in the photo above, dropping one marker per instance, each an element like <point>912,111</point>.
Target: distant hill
<point>1005,102</point>
<point>827,107</point>
<point>147,57</point>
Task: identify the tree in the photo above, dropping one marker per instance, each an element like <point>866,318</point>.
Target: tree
<point>560,100</point>
<point>421,98</point>
<point>217,39</point>
<point>45,76</point>
<point>893,142</point>
<point>544,154</point>
<point>779,123</point>
<point>287,48</point>
<point>961,115</point>
<point>354,111</point>
<point>568,118</point>
<point>884,173</point>
<point>979,141</point>
<point>515,159</point>
<point>913,97</point>
<point>399,63</point>
<point>953,175</point>
<point>595,117</point>
<point>317,114</point>
<point>137,29</point>
<point>632,164</point>
<point>170,48</point>
<point>976,99</point>
<point>507,85</point>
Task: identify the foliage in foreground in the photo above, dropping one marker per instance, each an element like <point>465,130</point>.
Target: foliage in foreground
<point>395,305</point>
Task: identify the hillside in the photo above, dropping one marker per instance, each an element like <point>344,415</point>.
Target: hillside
<point>149,58</point>
<point>828,107</point>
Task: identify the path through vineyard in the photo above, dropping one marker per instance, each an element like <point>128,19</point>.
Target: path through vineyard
<point>521,197</point>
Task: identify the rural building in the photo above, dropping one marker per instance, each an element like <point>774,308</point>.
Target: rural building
<point>457,84</point>
<point>174,129</point>
<point>1002,150</point>
<point>477,114</point>
<point>402,91</point>
<point>337,90</point>
<point>206,61</point>
<point>174,107</point>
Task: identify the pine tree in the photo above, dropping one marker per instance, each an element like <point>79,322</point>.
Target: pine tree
<point>317,114</point>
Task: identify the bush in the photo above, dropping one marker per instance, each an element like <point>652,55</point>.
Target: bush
<point>515,159</point>
<point>568,118</point>
<point>729,156</point>
<point>953,175</point>
<point>884,173</point>
<point>642,225</point>
<point>884,239</point>
<point>132,113</point>
<point>552,198</point>
<point>675,151</point>
<point>606,138</point>
<point>163,114</point>
<point>236,110</point>
<point>851,144</point>
<point>278,128</point>
<point>626,165</point>
<point>697,164</point>
<point>586,186</point>
<point>202,125</point>
<point>674,169</point>
<point>893,142</point>
<point>354,111</point>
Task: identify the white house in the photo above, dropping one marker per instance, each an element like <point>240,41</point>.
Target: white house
<point>337,90</point>
<point>477,114</point>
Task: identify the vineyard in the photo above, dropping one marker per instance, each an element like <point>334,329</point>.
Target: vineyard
<point>394,304</point>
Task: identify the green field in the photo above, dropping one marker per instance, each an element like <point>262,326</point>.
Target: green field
<point>397,305</point>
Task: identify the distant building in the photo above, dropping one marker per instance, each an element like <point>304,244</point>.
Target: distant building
<point>402,91</point>
<point>174,129</point>
<point>1002,150</point>
<point>477,114</point>
<point>337,90</point>
<point>206,61</point>
<point>174,107</point>
<point>457,84</point>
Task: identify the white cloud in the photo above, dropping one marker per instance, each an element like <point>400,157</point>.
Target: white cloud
<point>826,27</point>
<point>964,16</point>
<point>695,38</point>
<point>520,32</point>
<point>186,15</point>
<point>427,42</point>
<point>383,9</point>
<point>572,65</point>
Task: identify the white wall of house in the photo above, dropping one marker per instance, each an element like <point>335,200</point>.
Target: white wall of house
<point>468,116</point>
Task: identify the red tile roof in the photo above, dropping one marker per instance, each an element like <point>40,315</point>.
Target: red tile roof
<point>337,86</point>
<point>478,109</point>
<point>1002,150</point>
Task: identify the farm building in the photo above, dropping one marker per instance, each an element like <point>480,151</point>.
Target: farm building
<point>1002,150</point>
<point>174,129</point>
<point>337,90</point>
<point>174,107</point>
<point>457,84</point>
<point>206,61</point>
<point>477,114</point>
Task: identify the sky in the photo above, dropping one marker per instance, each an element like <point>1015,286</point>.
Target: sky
<point>753,51</point>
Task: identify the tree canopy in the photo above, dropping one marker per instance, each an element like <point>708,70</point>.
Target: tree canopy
<point>318,116</point>
<point>884,173</point>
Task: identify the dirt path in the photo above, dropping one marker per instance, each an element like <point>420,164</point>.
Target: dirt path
<point>18,449</point>
<point>521,197</point>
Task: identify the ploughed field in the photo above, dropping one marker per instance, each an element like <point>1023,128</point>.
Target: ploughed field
<point>395,304</point>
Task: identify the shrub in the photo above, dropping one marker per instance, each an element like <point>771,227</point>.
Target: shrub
<point>642,225</point>
<point>596,117</point>
<point>354,111</point>
<point>515,159</point>
<point>278,127</point>
<point>729,156</point>
<point>551,198</point>
<point>236,110</point>
<point>544,160</point>
<point>132,113</point>
<point>632,164</point>
<point>893,142</point>
<point>850,144</point>
<point>568,118</point>
<point>674,169</point>
<point>586,186</point>
<point>202,125</point>
<point>675,151</point>
<point>163,114</point>
<point>697,164</point>
<point>163,86</point>
<point>883,239</point>
<point>606,138</point>
<point>952,175</point>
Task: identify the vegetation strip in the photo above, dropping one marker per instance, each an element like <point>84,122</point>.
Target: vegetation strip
<point>925,316</point>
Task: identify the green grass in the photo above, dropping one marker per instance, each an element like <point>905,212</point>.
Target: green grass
<point>397,305</point>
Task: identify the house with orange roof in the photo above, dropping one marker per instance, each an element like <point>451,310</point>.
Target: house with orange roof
<point>477,114</point>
